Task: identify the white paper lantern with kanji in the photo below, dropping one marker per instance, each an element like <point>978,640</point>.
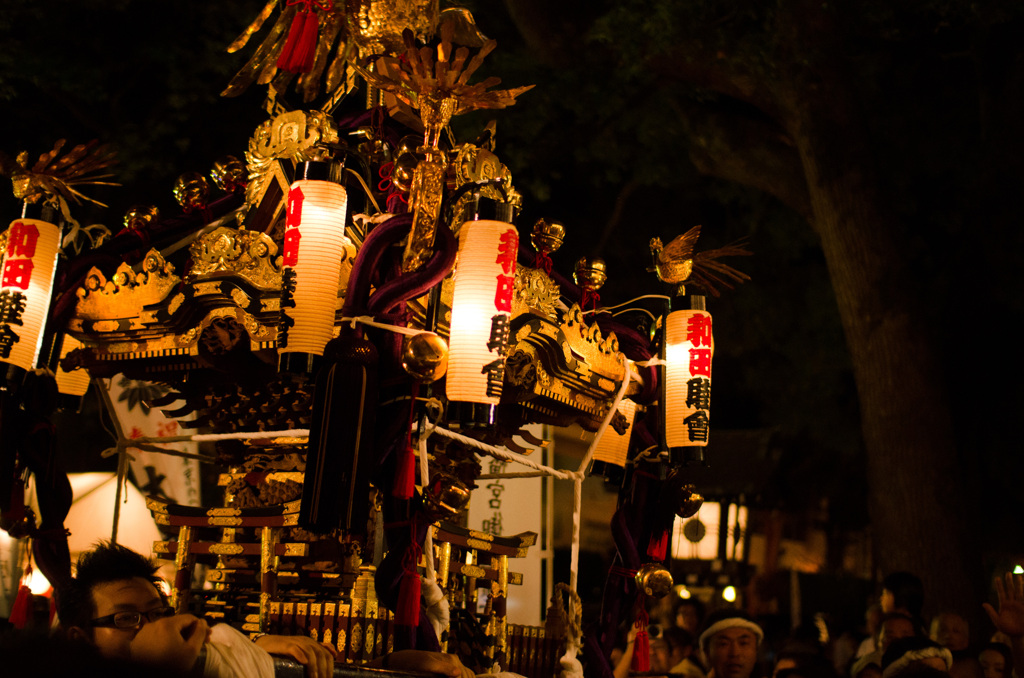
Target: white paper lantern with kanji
<point>75,382</point>
<point>613,447</point>
<point>314,248</point>
<point>26,283</point>
<point>481,310</point>
<point>689,347</point>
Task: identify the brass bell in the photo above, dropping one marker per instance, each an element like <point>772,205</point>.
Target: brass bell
<point>547,235</point>
<point>228,173</point>
<point>654,580</point>
<point>141,217</point>
<point>681,496</point>
<point>590,273</point>
<point>425,357</point>
<point>445,496</point>
<point>405,166</point>
<point>191,190</point>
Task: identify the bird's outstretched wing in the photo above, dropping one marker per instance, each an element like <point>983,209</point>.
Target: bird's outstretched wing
<point>681,246</point>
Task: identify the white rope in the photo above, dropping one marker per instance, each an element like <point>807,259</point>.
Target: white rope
<point>502,453</point>
<point>368,320</point>
<point>436,602</point>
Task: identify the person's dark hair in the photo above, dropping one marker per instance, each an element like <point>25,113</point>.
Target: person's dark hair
<point>695,603</point>
<point>907,591</point>
<point>104,564</point>
<point>889,616</point>
<point>1003,649</point>
<point>808,665</point>
<point>679,637</point>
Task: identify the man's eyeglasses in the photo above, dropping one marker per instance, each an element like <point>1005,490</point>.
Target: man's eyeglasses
<point>128,620</point>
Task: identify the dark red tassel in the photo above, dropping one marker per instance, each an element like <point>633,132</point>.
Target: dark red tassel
<point>295,33</point>
<point>305,51</point>
<point>299,50</point>
<point>405,475</point>
<point>21,610</point>
<point>408,612</point>
<point>641,645</point>
<point>658,546</point>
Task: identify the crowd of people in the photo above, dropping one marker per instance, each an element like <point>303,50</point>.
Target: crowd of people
<point>898,642</point>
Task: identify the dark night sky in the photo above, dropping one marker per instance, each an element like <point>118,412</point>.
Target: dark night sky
<point>151,86</point>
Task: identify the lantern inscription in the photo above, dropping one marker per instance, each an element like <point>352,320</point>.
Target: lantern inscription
<point>688,378</point>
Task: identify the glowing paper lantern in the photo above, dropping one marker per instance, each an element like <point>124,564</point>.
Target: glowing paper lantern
<point>481,309</point>
<point>76,382</point>
<point>716,532</point>
<point>689,349</point>
<point>314,247</point>
<point>26,282</point>
<point>613,447</point>
<point>697,537</point>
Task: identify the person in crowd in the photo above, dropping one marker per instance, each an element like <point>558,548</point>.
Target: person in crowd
<point>682,650</point>
<point>950,630</point>
<point>802,664</point>
<point>906,654</point>
<point>902,592</point>
<point>894,626</point>
<point>730,642</point>
<point>996,660</point>
<point>689,614</point>
<point>115,605</point>
<point>872,622</point>
<point>1009,617</point>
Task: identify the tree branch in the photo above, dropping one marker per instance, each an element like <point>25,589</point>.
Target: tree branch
<point>749,150</point>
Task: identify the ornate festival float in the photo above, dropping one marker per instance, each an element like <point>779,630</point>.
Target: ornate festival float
<point>352,323</point>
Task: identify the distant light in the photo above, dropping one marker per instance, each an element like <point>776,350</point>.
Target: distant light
<point>683,592</point>
<point>1018,570</point>
<point>729,594</point>
<point>38,583</point>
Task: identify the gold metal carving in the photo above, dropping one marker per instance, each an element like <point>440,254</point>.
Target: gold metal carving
<point>425,203</point>
<point>126,293</point>
<point>376,25</point>
<point>535,293</point>
<point>227,251</point>
<point>227,549</point>
<point>356,638</point>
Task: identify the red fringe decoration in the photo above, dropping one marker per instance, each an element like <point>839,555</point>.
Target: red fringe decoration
<point>405,475</point>
<point>299,50</point>
<point>641,645</point>
<point>21,610</point>
<point>658,547</point>
<point>408,612</point>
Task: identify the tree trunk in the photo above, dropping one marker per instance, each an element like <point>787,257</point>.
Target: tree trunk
<point>919,518</point>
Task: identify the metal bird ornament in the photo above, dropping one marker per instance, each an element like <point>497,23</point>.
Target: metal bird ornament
<point>678,264</point>
<point>54,177</point>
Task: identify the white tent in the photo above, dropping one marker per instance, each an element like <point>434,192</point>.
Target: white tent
<point>92,514</point>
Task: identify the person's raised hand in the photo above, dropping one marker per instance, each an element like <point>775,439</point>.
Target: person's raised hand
<point>1009,618</point>
<point>173,641</point>
<point>318,658</point>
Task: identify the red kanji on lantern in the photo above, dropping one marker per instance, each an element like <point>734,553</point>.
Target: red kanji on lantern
<point>21,239</point>
<point>291,246</point>
<point>17,273</point>
<point>700,362</point>
<point>503,295</point>
<point>508,248</point>
<point>698,330</point>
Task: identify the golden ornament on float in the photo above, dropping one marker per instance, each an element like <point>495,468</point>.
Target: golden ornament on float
<point>654,580</point>
<point>425,357</point>
<point>192,191</point>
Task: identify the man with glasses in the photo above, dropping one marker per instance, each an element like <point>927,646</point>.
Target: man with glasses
<point>115,605</point>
